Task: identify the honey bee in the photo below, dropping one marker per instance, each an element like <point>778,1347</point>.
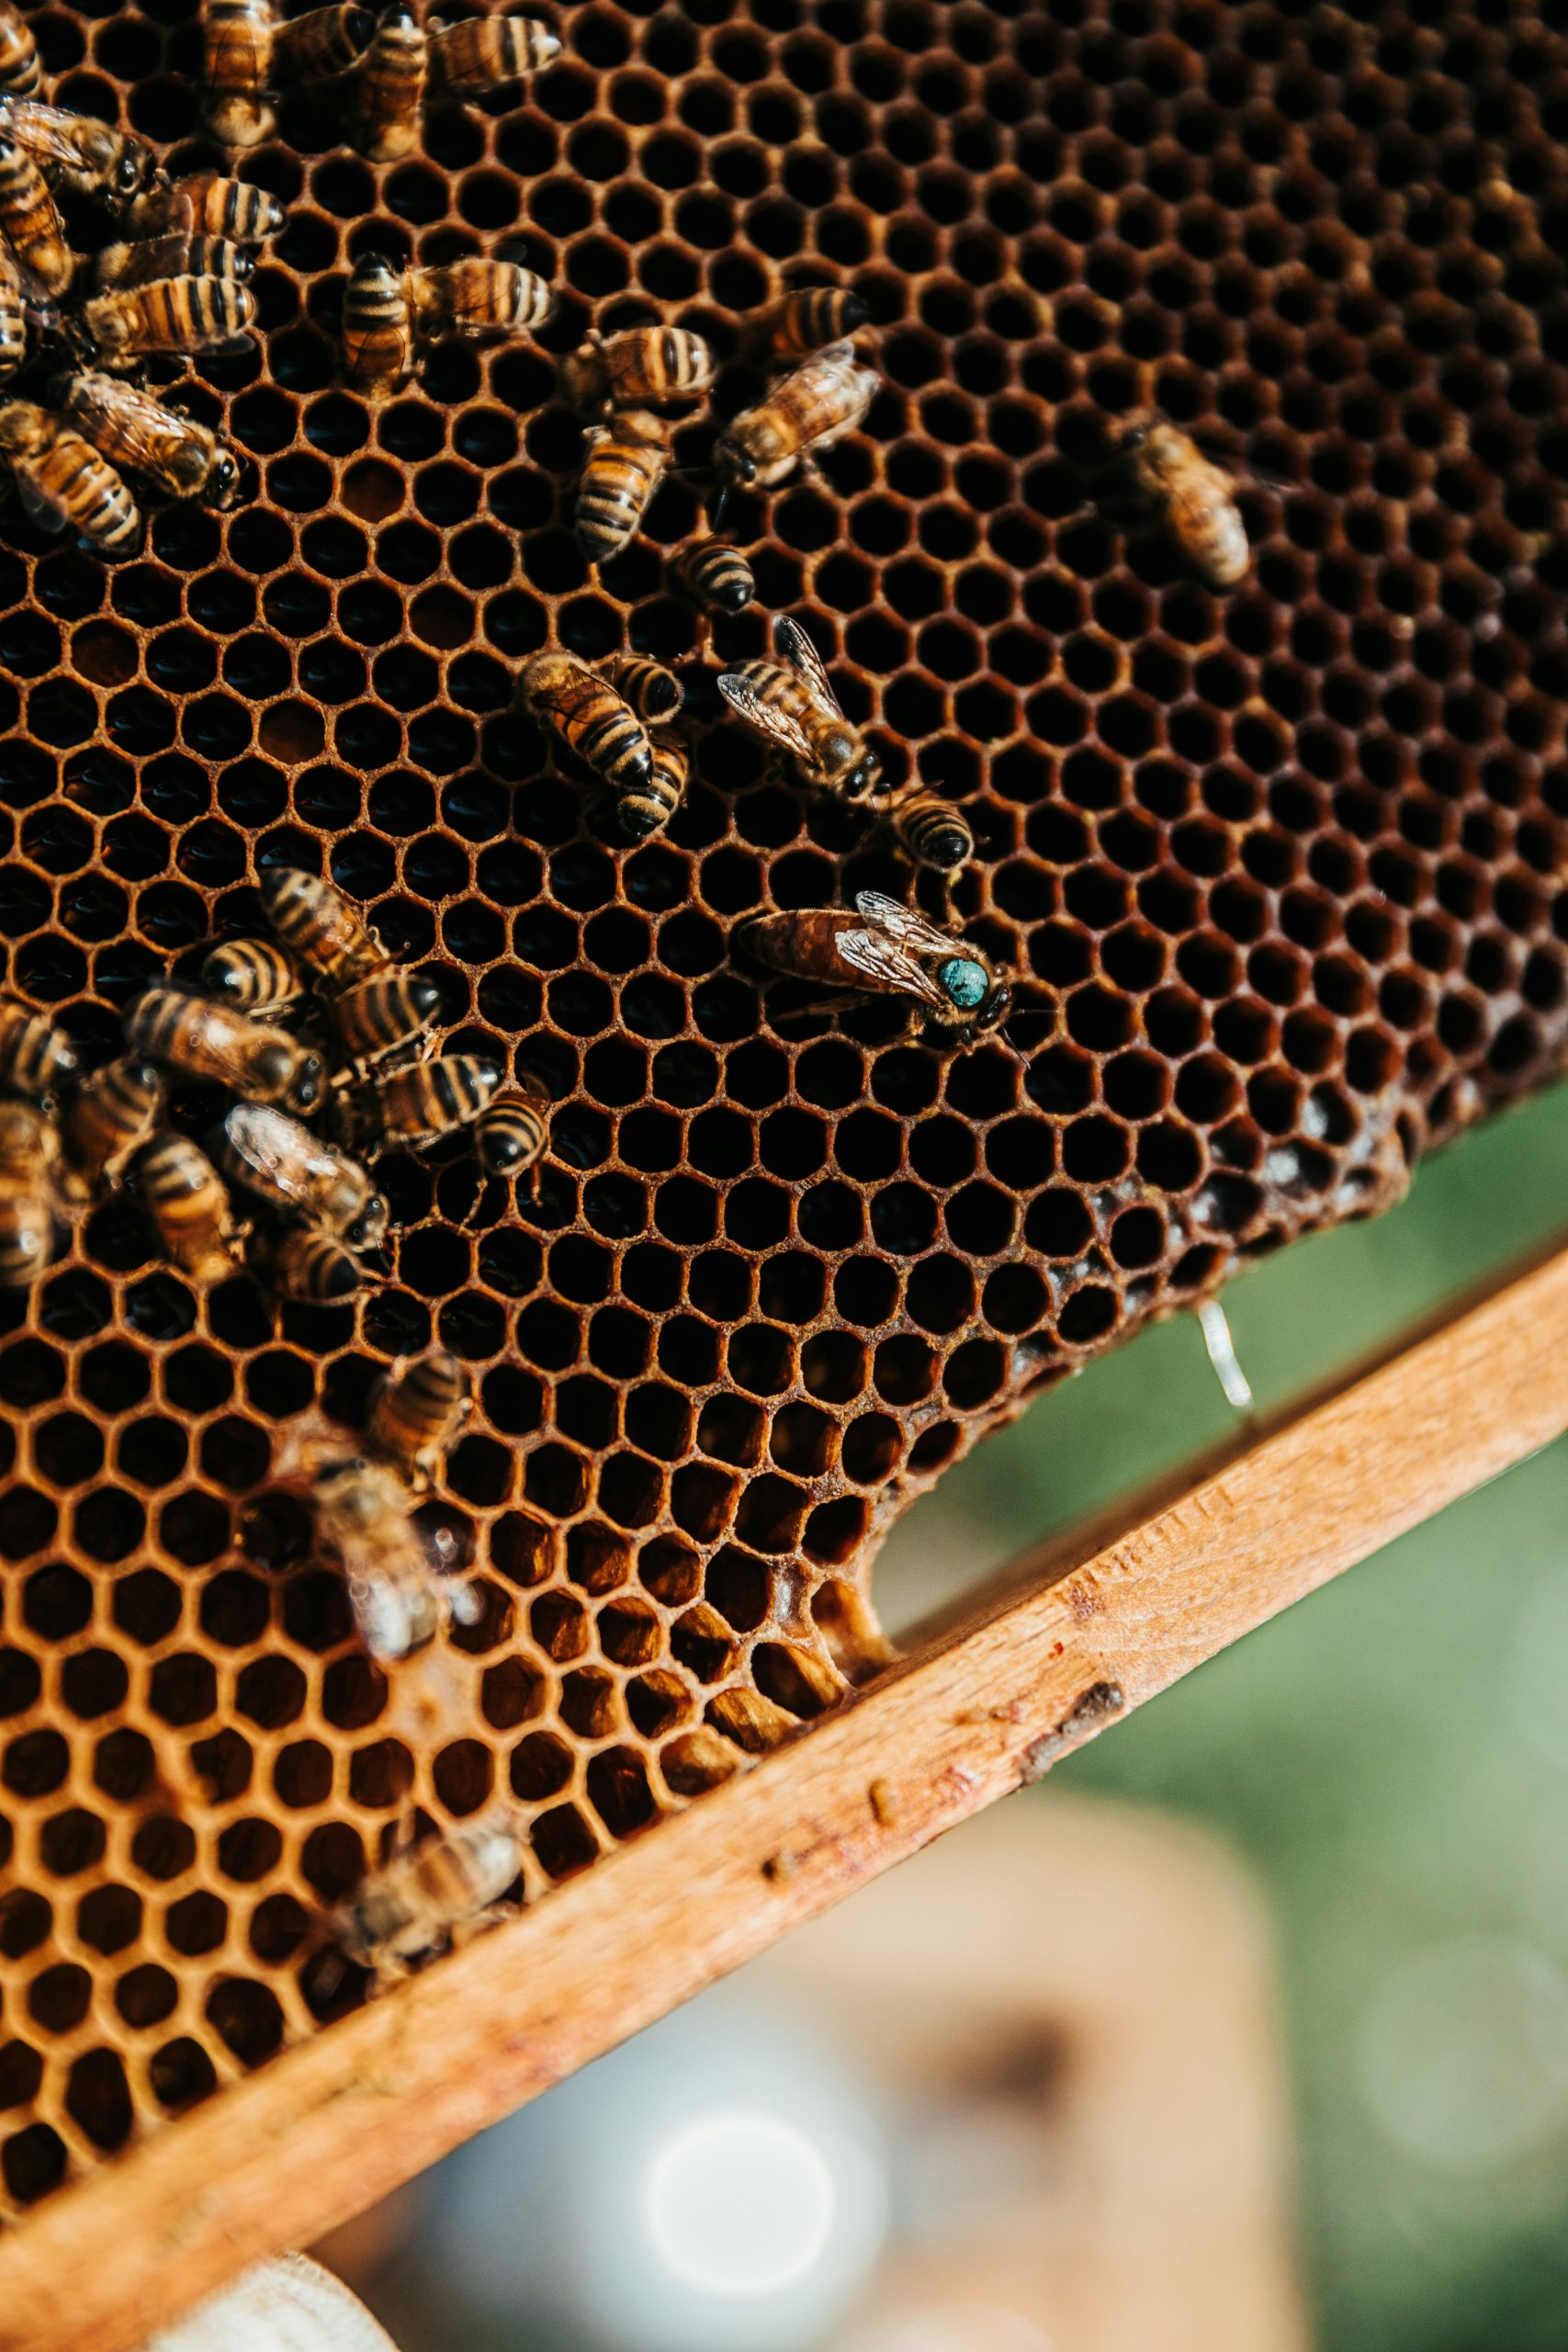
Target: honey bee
<point>391,86</point>
<point>1179,487</point>
<point>75,151</point>
<point>420,1899</point>
<point>187,1204</point>
<point>478,54</point>
<point>510,1136</point>
<point>414,1409</point>
<point>27,1213</point>
<point>272,1154</point>
<point>12,316</point>
<point>399,1602</point>
<point>388,313</point>
<point>300,1262</point>
<point>591,716</point>
<point>716,574</point>
<point>253,976</point>
<point>327,41</point>
<point>792,702</point>
<point>237,39</point>
<point>181,254</point>
<point>183,314</point>
<point>203,1039</point>
<point>823,399</point>
<point>931,831</point>
<point>34,1054</point>
<point>624,463</point>
<point>131,428</point>
<point>108,1117</point>
<point>652,690</point>
<point>477,296</point>
<point>885,949</point>
<point>206,204</point>
<point>643,363</point>
<point>377,327</point>
<point>389,1010</point>
<point>417,1106</point>
<point>63,480</point>
<point>812,318</point>
<point>646,808</point>
<point>20,73</point>
<point>320,929</point>
<point>29,219</point>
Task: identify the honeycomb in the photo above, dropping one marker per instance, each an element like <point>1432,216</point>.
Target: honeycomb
<point>1279,874</point>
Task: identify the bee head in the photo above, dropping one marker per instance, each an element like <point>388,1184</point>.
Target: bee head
<point>223,481</point>
<point>1133,437</point>
<point>736,462</point>
<point>970,989</point>
<point>864,776</point>
<point>310,1076</point>
<point>369,1227</point>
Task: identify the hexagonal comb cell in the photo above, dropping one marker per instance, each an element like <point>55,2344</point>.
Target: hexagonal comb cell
<point>1278,873</point>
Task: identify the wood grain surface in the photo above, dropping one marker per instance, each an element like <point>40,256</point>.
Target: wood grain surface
<point>1086,1633</point>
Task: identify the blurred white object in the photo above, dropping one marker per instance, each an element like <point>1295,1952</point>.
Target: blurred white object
<point>1464,2053</point>
<point>288,2305</point>
<point>1214,1323</point>
<point>952,2327</point>
<point>716,2186</point>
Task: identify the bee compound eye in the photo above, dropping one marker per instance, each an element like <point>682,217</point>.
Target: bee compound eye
<point>964,980</point>
<point>309,1074</point>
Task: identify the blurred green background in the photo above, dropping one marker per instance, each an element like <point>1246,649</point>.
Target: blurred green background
<point>1390,1758</point>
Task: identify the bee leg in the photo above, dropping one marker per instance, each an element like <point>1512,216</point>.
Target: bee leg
<point>494,1915</point>
<point>481,1197</point>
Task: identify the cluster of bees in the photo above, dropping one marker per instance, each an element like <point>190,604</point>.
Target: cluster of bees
<point>395,61</point>
<point>366,1066</point>
<point>448,1885</point>
<point>173,284</point>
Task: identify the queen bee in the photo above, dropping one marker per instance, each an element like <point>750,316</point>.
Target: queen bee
<point>885,949</point>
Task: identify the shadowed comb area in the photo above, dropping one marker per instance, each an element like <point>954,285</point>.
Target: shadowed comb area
<point>1280,875</point>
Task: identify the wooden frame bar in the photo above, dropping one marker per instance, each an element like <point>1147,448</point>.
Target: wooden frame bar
<point>1083,1634</point>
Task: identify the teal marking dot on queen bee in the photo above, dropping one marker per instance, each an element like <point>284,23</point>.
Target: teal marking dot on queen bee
<point>964,981</point>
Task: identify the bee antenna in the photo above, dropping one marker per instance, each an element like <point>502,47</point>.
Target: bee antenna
<point>716,512</point>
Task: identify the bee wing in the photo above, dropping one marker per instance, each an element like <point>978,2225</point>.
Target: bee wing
<point>743,699</point>
<point>259,1139</point>
<point>791,644</point>
<point>903,924</point>
<point>45,131</point>
<point>36,503</point>
<point>879,961</point>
